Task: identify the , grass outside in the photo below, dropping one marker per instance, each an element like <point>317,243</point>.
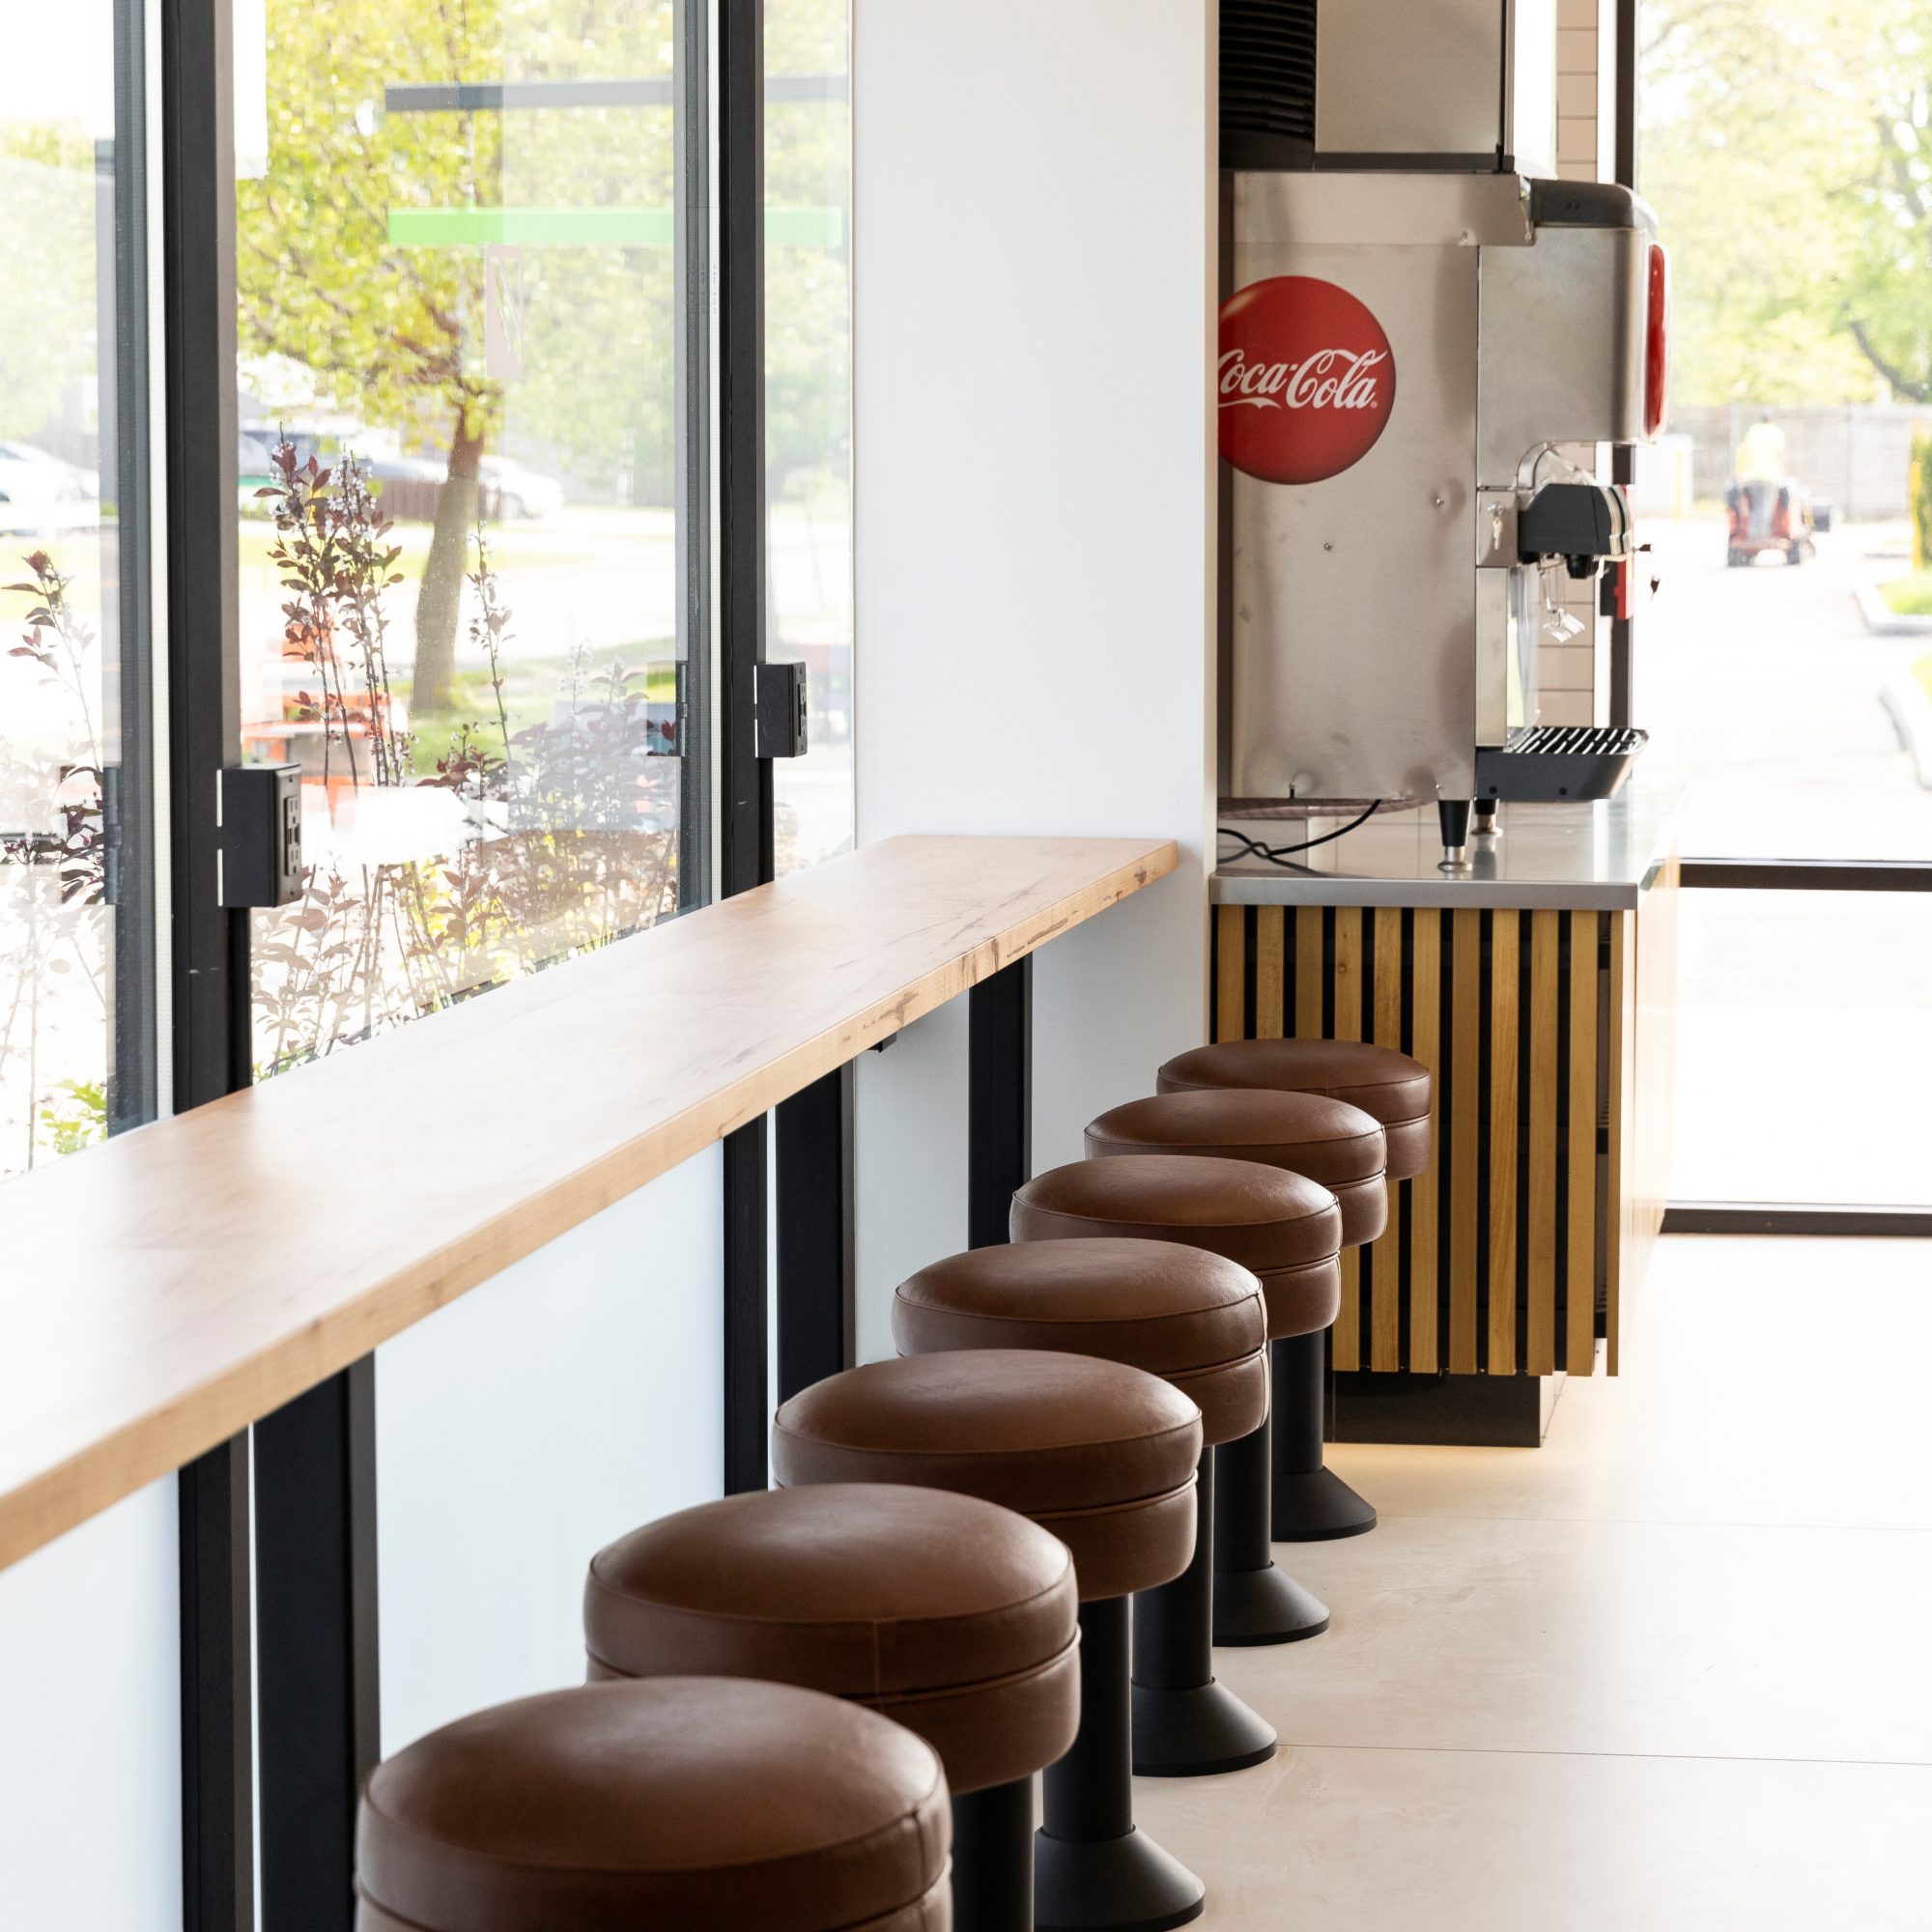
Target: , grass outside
<point>1922,671</point>
<point>532,687</point>
<point>1910,595</point>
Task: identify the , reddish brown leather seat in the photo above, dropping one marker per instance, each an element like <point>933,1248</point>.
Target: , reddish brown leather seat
<point>1101,1453</point>
<point>1196,1319</point>
<point>1327,1140</point>
<point>1286,1229</point>
<point>950,1615</point>
<point>678,1803</point>
<point>1330,1140</point>
<point>1187,1315</point>
<point>1394,1087</point>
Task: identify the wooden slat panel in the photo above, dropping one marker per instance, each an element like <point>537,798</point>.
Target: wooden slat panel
<point>1271,967</point>
<point>1348,1330</point>
<point>1504,956</point>
<point>1309,973</point>
<point>1581,1353</point>
<point>1230,968</point>
<point>1426,1044</point>
<point>1351,994</point>
<point>1385,1256</point>
<point>175,1283</point>
<point>1544,935</point>
<point>1621,1174</point>
<point>1465,1133</point>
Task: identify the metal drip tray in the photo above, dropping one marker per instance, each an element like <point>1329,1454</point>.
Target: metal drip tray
<point>1545,762</point>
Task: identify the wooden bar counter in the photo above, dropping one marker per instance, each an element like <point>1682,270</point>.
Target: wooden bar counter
<point>1538,987</point>
<point>163,1292</point>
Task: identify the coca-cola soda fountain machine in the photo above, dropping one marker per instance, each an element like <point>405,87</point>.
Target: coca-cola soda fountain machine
<point>1407,342</point>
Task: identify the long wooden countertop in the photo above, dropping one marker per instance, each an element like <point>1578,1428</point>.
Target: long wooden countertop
<point>162,1292</point>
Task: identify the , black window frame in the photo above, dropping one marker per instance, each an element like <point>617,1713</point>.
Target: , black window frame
<point>278,1673</point>
<point>1700,872</point>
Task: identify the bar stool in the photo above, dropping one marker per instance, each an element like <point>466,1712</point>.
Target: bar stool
<point>1288,1230</point>
<point>1103,1456</point>
<point>1328,1141</point>
<point>1193,1319</point>
<point>949,1615</point>
<point>1397,1089</point>
<point>683,1802</point>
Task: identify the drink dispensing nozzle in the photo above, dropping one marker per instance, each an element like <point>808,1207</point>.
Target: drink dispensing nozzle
<point>1454,815</point>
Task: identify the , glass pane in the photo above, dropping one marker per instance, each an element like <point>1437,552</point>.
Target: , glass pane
<point>808,408</point>
<point>1766,690</point>
<point>460,554</point>
<point>76,937</point>
<point>1804,1047</point>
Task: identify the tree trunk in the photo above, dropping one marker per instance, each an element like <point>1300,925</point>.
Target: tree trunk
<point>442,593</point>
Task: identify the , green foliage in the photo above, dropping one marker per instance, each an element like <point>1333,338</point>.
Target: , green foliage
<point>48,322</point>
<point>1911,595</point>
<point>1922,501</point>
<point>1787,145</point>
<point>74,1116</point>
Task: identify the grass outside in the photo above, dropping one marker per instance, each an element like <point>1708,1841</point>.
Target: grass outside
<point>531,689</point>
<point>1910,595</point>
<point>1922,671</point>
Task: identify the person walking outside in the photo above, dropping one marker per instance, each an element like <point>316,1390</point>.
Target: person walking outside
<point>1761,471</point>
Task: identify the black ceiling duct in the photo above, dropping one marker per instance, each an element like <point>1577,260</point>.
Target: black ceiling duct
<point>1267,83</point>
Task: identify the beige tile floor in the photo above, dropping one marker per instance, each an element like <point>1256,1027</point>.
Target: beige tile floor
<point>1673,1670</point>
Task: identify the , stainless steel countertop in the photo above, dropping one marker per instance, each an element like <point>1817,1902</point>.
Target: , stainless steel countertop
<point>1599,857</point>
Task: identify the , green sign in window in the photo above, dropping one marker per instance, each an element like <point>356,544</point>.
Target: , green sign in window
<point>591,227</point>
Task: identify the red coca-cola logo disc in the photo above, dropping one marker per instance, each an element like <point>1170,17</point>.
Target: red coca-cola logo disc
<point>1306,380</point>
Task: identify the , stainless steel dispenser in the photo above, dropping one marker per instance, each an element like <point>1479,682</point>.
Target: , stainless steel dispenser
<point>1404,353</point>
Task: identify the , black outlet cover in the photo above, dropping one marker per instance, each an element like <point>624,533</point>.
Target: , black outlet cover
<point>780,706</point>
<point>261,835</point>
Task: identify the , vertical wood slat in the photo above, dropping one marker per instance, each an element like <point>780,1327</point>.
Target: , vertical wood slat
<point>1349,1002</point>
<point>1231,948</point>
<point>1464,1123</point>
<point>1309,973</point>
<point>1504,953</point>
<point>1622,1063</point>
<point>1271,967</point>
<point>1581,1355</point>
<point>1544,934</point>
<point>1350,995</point>
<point>1426,1044</point>
<point>1385,1268</point>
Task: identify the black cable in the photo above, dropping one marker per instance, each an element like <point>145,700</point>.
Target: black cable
<point>1278,855</point>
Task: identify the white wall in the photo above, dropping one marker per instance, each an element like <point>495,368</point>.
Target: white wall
<point>89,1725</point>
<point>577,1395</point>
<point>1034,239</point>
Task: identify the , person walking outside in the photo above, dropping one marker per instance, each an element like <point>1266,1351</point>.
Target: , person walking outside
<point>1761,471</point>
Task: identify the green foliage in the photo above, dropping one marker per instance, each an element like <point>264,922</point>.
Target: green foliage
<point>1787,145</point>
<point>74,1116</point>
<point>48,322</point>
<point>1922,501</point>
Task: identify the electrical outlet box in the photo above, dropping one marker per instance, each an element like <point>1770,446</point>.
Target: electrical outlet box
<point>780,707</point>
<point>261,835</point>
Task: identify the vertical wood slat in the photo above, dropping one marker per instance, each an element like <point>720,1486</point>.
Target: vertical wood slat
<point>1541,1359</point>
<point>1270,966</point>
<point>1580,1354</point>
<point>1309,973</point>
<point>1349,992</point>
<point>1464,1130</point>
<point>1426,1044</point>
<point>1385,1264</point>
<point>1231,972</point>
<point>1504,965</point>
<point>1622,1062</point>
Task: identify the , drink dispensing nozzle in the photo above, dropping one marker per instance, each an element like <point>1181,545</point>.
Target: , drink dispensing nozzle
<point>1454,815</point>
<point>1485,826</point>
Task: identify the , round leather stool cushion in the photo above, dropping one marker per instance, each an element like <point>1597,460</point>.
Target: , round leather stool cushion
<point>1282,1226</point>
<point>680,1802</point>
<point>1328,1141</point>
<point>1378,1079</point>
<point>952,1616</point>
<point>1101,1454</point>
<point>1194,1319</point>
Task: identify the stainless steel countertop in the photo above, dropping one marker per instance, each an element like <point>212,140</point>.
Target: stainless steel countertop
<point>1601,856</point>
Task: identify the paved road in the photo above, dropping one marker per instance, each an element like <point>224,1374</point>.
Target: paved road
<point>1805,1030</point>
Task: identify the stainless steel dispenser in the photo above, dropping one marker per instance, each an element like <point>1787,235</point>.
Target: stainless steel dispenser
<point>1380,621</point>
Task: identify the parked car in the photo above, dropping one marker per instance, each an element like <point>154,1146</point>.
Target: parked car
<point>513,490</point>
<point>41,495</point>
